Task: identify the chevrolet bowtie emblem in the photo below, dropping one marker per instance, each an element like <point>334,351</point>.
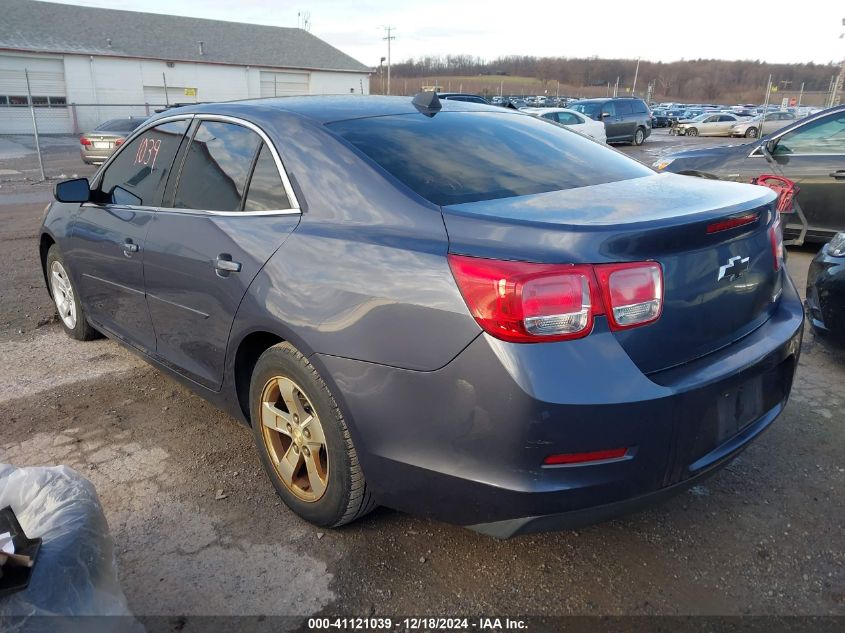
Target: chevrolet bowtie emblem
<point>734,269</point>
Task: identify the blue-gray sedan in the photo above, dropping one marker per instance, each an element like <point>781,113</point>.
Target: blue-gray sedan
<point>443,307</point>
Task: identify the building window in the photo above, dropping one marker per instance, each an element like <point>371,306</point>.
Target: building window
<point>20,101</point>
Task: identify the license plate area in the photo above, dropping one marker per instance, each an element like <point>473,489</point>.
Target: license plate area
<point>102,145</point>
<point>738,407</point>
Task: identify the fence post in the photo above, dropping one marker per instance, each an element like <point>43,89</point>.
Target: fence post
<point>34,124</point>
<point>75,120</point>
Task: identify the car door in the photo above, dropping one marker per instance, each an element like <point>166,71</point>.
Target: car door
<point>612,123</point>
<point>813,155</point>
<point>231,208</point>
<point>627,120</point>
<point>724,124</point>
<point>107,239</point>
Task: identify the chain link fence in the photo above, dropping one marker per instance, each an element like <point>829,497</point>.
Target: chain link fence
<point>43,138</point>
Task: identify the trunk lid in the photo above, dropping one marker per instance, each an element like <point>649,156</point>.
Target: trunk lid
<point>718,286</point>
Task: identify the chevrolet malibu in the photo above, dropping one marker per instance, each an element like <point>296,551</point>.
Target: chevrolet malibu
<point>442,307</point>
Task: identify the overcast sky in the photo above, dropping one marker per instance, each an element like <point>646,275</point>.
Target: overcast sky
<point>789,31</point>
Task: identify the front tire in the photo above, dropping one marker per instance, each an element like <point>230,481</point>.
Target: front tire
<point>639,136</point>
<point>66,298</point>
<point>303,441</point>
<point>692,131</point>
<point>751,132</point>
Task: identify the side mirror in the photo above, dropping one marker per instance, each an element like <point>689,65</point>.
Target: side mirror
<point>76,190</point>
<point>121,196</point>
<point>604,115</point>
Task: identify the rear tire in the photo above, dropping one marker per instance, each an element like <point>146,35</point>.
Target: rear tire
<point>751,132</point>
<point>66,298</point>
<point>303,441</point>
<point>639,136</point>
<point>692,131</point>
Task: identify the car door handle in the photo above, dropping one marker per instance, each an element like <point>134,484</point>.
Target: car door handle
<point>839,175</point>
<point>224,264</point>
<point>130,247</point>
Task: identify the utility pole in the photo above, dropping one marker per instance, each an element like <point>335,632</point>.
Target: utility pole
<point>616,88</point>
<point>636,73</point>
<point>800,94</point>
<point>389,38</point>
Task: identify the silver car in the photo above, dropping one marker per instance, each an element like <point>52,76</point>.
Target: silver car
<point>774,121</point>
<point>708,124</point>
<point>98,144</point>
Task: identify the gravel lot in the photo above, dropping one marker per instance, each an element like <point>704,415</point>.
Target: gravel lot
<point>764,536</point>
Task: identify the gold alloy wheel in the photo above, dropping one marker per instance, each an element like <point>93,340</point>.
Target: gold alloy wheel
<point>294,438</point>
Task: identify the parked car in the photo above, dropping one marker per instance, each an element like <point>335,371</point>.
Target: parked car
<point>572,120</point>
<point>810,151</point>
<point>462,96</point>
<point>708,124</point>
<point>98,144</point>
<point>826,289</point>
<point>626,119</point>
<point>660,118</point>
<point>774,121</point>
<point>443,307</point>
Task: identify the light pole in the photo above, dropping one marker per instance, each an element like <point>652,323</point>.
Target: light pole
<point>381,72</point>
<point>636,73</point>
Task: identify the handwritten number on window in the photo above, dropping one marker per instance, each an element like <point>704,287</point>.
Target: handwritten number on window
<point>147,152</point>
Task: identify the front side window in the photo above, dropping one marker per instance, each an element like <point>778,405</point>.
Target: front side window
<point>491,155</point>
<point>567,118</point>
<point>624,107</point>
<point>216,167</point>
<point>266,191</point>
<point>823,136</point>
<point>142,166</point>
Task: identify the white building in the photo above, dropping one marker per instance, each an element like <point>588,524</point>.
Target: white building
<point>86,65</point>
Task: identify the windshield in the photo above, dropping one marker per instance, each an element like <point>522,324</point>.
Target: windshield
<point>457,157</point>
<point>591,109</point>
<point>701,117</point>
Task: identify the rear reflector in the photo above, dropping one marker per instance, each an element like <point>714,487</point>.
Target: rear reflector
<point>525,302</point>
<point>732,223</point>
<point>633,293</point>
<point>585,458</point>
<point>776,239</point>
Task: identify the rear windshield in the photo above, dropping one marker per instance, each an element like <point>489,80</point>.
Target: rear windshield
<point>119,125</point>
<point>458,157</point>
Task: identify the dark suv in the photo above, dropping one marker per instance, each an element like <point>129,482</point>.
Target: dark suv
<point>626,119</point>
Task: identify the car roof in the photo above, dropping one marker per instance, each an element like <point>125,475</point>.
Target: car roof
<point>327,109</point>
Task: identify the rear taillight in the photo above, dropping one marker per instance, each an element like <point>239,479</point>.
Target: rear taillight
<point>526,302</point>
<point>633,293</point>
<point>84,141</point>
<point>776,240</point>
<point>118,142</point>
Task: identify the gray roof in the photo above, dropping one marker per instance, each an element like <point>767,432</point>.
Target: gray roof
<point>60,28</point>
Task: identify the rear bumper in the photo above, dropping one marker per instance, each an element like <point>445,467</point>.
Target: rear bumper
<point>465,444</point>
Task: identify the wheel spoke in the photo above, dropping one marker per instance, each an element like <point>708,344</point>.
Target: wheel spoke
<point>314,438</point>
<point>59,282</point>
<point>318,486</point>
<point>274,418</point>
<point>290,395</point>
<point>288,465</point>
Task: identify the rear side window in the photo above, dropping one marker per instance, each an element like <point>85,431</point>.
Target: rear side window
<point>640,107</point>
<point>216,167</point>
<point>143,165</point>
<point>266,191</point>
<point>457,157</point>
